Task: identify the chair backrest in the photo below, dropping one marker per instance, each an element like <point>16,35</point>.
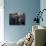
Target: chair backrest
<point>39,33</point>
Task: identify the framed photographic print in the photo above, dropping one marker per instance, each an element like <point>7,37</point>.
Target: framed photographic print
<point>17,19</point>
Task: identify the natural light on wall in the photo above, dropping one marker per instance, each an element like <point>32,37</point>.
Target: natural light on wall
<point>1,21</point>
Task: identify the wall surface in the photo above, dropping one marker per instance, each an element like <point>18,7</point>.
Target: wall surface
<point>1,21</point>
<point>14,33</point>
<point>43,6</point>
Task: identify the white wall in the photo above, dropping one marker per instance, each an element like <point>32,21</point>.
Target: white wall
<point>1,21</point>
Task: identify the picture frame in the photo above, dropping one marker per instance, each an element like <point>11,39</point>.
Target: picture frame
<point>16,19</point>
